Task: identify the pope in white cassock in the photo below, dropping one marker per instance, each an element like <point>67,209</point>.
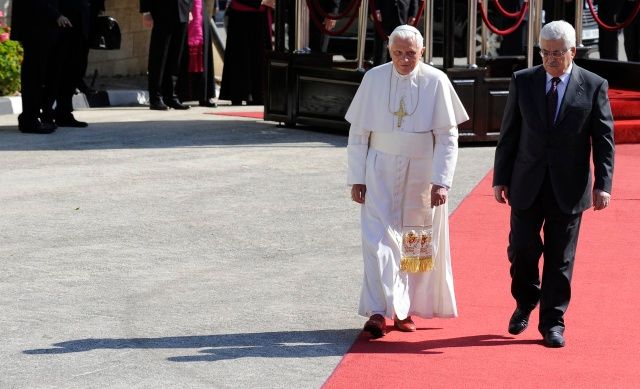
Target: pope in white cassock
<point>402,152</point>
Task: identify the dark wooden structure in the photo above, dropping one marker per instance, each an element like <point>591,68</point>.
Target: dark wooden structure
<point>310,89</point>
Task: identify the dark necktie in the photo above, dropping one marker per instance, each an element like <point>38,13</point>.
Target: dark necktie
<point>552,101</point>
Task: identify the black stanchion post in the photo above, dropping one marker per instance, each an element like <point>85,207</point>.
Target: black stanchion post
<point>448,33</point>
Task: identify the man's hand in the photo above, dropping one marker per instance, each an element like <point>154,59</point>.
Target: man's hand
<point>329,24</point>
<point>501,193</point>
<point>358,192</point>
<point>438,195</point>
<point>63,22</point>
<point>190,16</point>
<point>601,199</point>
<point>411,21</point>
<point>269,3</point>
<point>378,16</point>
<point>147,20</point>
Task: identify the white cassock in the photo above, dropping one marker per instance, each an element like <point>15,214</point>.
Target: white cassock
<point>398,157</point>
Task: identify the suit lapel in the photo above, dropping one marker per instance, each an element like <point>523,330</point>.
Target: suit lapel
<point>539,93</point>
<point>573,92</point>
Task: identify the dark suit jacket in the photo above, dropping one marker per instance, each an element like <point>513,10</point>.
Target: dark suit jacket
<point>527,149</point>
<point>167,10</point>
<point>396,12</point>
<point>33,19</point>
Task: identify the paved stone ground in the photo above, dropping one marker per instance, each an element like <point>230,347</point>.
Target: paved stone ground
<point>178,249</point>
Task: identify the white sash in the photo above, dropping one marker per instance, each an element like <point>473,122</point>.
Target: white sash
<point>407,144</point>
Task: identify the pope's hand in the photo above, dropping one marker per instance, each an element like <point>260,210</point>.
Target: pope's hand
<point>438,195</point>
<point>501,193</point>
<point>358,192</point>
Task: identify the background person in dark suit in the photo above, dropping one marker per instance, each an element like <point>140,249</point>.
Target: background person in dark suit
<point>391,14</point>
<point>32,24</point>
<point>168,20</point>
<point>557,114</point>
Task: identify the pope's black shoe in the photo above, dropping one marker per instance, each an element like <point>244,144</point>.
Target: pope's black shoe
<point>553,339</point>
<point>519,321</point>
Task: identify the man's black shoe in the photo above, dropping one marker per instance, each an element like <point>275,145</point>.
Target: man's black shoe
<point>175,104</point>
<point>519,321</point>
<point>48,122</point>
<point>553,339</point>
<point>71,122</point>
<point>37,128</point>
<point>159,106</point>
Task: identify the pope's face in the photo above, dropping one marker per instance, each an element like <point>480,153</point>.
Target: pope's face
<point>405,55</point>
<point>556,57</point>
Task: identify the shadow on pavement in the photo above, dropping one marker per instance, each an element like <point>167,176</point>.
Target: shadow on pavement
<point>363,345</point>
<point>165,134</point>
<point>285,344</point>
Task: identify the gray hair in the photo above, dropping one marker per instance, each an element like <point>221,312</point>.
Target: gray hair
<point>559,29</point>
<point>407,32</point>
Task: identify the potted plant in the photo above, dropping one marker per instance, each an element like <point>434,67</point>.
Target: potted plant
<point>10,60</point>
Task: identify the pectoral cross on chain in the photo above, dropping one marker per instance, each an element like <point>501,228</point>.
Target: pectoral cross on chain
<point>400,113</point>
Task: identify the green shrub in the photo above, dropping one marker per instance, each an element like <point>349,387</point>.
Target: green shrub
<point>10,59</point>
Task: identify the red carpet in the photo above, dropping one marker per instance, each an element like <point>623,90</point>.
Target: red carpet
<point>626,112</point>
<point>255,115</point>
<point>475,350</point>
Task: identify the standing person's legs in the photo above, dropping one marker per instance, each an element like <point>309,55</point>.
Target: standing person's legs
<point>632,40</point>
<point>69,65</point>
<point>608,40</point>
<point>560,241</point>
<point>158,50</point>
<point>176,39</point>
<point>258,86</point>
<point>524,252</point>
<point>32,77</point>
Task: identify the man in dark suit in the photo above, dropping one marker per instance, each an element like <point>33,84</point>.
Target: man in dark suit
<point>168,19</point>
<point>32,24</point>
<point>391,14</point>
<point>557,114</point>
